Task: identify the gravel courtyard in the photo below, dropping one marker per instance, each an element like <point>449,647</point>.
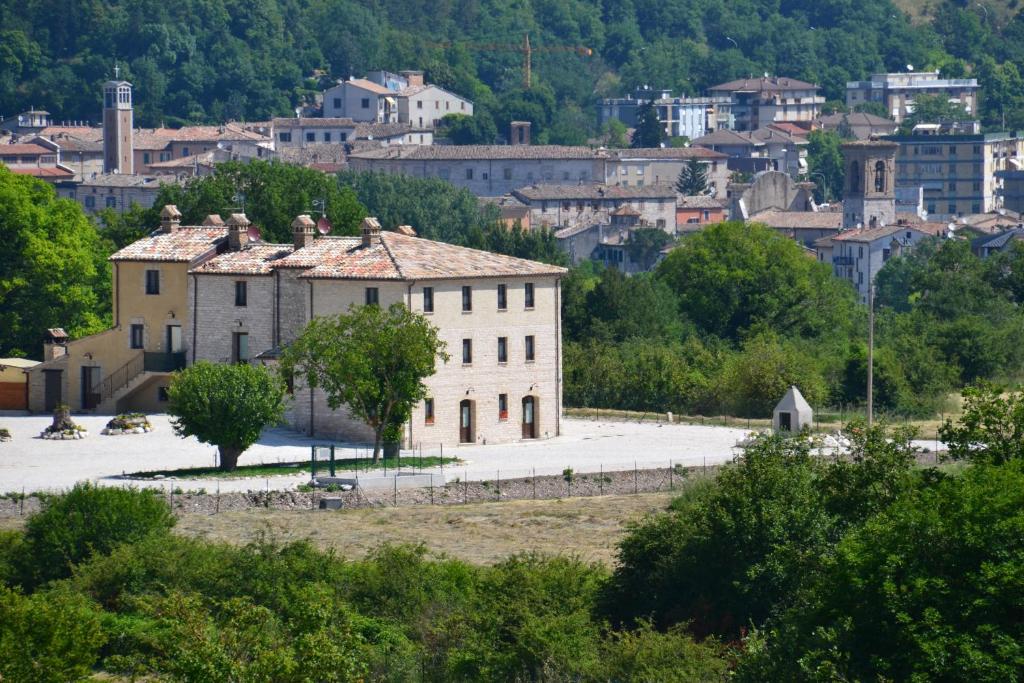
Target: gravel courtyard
<point>585,446</point>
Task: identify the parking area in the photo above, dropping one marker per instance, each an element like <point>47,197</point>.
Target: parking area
<point>35,464</point>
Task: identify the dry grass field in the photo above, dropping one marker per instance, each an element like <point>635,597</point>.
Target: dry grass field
<point>481,533</point>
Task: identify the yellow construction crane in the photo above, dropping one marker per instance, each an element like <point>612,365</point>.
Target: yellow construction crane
<point>525,49</point>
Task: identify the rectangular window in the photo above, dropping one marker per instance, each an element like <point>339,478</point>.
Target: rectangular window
<point>241,293</point>
<point>502,297</point>
<point>507,173</point>
<point>952,207</point>
<point>502,406</point>
<point>529,348</point>
<point>952,186</point>
<point>161,394</point>
<point>90,202</point>
<point>327,136</point>
<point>419,104</point>
<point>467,351</point>
<point>240,348</point>
<point>343,137</point>
<point>467,298</point>
<point>137,340</point>
<point>152,282</point>
<point>337,103</point>
<point>529,294</point>
<point>310,137</point>
<point>365,103</point>
<point>502,349</point>
<point>469,174</point>
<point>428,299</point>
<point>111,202</point>
<point>145,157</point>
<point>372,296</point>
<point>428,411</point>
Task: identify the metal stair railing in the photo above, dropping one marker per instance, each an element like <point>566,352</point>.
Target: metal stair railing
<point>119,378</point>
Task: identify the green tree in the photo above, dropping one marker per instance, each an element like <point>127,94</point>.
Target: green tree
<point>614,132</point>
<point>876,108</point>
<point>371,360</point>
<point>226,406</point>
<point>53,269</point>
<point>85,521</point>
<point>754,380</point>
<point>991,429</point>
<point>825,157</point>
<point>693,179</point>
<point>272,194</point>
<point>644,246</point>
<point>461,129</point>
<point>732,277</point>
<point>928,589</point>
<point>649,130</point>
<point>933,109</point>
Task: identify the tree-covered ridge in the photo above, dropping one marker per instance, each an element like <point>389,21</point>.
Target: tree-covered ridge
<point>211,60</point>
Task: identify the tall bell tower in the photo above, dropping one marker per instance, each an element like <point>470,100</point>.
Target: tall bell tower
<point>118,152</point>
<point>869,197</point>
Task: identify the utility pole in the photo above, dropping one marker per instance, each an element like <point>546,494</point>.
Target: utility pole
<point>871,351</point>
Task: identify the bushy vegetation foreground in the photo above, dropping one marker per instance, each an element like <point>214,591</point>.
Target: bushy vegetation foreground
<point>787,566</point>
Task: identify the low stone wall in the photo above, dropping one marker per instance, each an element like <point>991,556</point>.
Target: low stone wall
<point>452,493</point>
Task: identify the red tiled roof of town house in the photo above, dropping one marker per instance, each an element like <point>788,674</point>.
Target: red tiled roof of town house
<point>701,201</point>
<point>252,259</point>
<point>185,244</point>
<point>24,148</point>
<point>403,257</point>
<point>872,234</point>
<point>50,172</point>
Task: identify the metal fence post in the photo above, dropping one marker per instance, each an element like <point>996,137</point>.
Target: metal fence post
<point>535,483</point>
<point>600,481</point>
<point>636,488</point>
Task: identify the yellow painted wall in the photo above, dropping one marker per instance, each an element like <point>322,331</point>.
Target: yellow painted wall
<point>155,311</point>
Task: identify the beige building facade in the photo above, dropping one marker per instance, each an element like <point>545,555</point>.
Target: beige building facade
<point>498,316</point>
<point>896,91</point>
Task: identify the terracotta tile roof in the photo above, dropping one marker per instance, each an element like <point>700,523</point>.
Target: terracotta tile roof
<point>403,257</point>
<point>49,172</point>
<point>25,148</point>
<point>590,191</point>
<point>872,234</point>
<point>728,137</point>
<point>313,122</point>
<point>318,152</point>
<point>370,85</point>
<point>126,180</point>
<point>822,220</point>
<point>184,244</point>
<point>252,259</point>
<point>765,84</point>
<point>365,130</point>
<point>487,152</point>
<point>91,133</point>
<point>229,131</point>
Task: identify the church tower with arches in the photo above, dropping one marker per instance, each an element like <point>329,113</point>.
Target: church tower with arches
<point>869,196</point>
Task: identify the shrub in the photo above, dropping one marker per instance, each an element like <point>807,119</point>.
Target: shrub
<point>50,636</point>
<point>88,520</point>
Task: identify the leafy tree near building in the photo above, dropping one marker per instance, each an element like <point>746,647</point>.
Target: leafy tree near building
<point>371,360</point>
<point>53,268</point>
<point>933,109</point>
<point>649,130</point>
<point>693,179</point>
<point>824,156</point>
<point>226,406</point>
<point>644,245</point>
<point>461,129</point>
<point>876,108</point>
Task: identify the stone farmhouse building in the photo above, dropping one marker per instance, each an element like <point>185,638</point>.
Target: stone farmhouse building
<point>210,293</point>
<point>384,97</point>
<point>585,204</point>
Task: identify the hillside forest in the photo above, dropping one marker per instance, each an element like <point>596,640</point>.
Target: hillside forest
<point>207,61</point>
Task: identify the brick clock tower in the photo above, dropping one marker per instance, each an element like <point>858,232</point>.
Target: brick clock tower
<point>118,152</point>
<point>869,198</point>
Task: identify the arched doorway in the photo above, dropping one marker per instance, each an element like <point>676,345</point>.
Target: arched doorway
<point>466,421</point>
<point>529,417</point>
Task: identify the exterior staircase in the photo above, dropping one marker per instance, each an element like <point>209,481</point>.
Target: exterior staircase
<point>121,382</point>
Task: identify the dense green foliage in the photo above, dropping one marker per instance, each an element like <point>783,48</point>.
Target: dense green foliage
<point>370,359</point>
<point>225,405</point>
<point>87,520</point>
<point>211,60</point>
<point>53,269</point>
<point>271,194</point>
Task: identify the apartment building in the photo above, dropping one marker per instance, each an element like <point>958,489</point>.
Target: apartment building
<point>499,317</point>
<point>494,170</point>
<point>691,117</point>
<point>896,91</point>
<point>857,255</point>
<point>756,102</point>
<point>383,97</point>
<point>957,172</point>
<point>308,131</point>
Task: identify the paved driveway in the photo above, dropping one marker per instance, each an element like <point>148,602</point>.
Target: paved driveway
<point>586,446</point>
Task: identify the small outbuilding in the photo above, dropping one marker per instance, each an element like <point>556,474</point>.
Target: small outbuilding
<point>793,413</point>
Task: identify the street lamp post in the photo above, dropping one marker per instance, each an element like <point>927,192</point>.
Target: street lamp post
<point>824,183</point>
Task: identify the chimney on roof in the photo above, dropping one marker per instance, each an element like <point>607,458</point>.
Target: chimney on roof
<point>371,232</point>
<point>170,218</point>
<point>303,231</point>
<point>238,231</point>
<point>55,342</point>
<point>213,220</point>
<point>519,133</point>
<point>406,230</point>
<point>413,78</point>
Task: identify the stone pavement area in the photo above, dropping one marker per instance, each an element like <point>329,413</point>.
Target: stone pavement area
<point>585,446</point>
